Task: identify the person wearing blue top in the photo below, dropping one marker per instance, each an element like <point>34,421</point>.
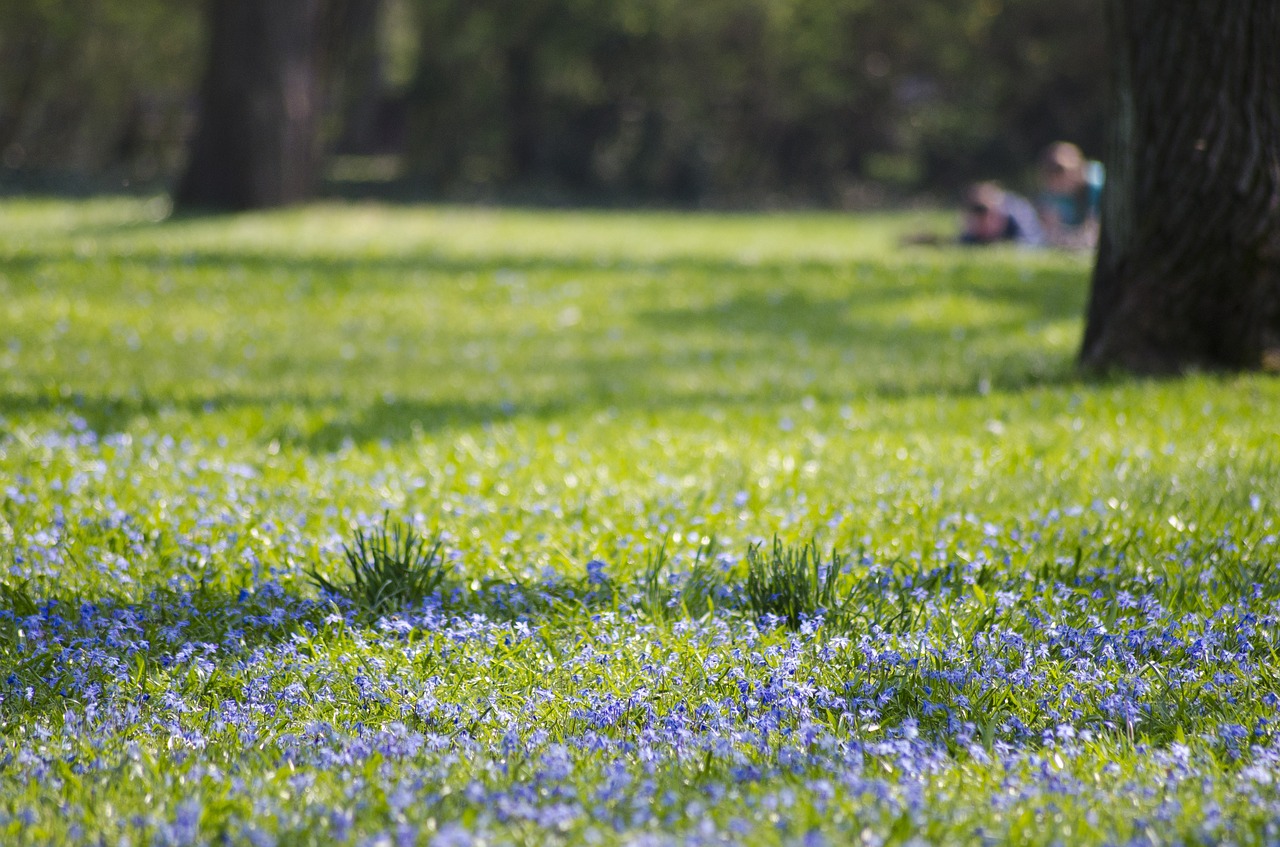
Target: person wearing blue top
<point>1071,197</point>
<point>993,216</point>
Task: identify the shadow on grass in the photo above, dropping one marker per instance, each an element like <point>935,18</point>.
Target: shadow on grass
<point>354,420</point>
<point>344,421</point>
<point>1051,293</point>
<point>737,353</point>
<point>62,654</point>
<point>61,649</point>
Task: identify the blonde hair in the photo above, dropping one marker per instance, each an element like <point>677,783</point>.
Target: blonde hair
<point>986,195</point>
<point>1062,157</point>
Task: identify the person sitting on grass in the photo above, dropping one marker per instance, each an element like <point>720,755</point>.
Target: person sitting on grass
<point>993,216</point>
<point>1071,197</point>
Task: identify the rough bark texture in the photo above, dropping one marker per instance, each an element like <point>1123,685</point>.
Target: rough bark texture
<point>1188,266</point>
<point>257,144</point>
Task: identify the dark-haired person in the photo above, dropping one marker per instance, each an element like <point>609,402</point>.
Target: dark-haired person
<point>995,216</point>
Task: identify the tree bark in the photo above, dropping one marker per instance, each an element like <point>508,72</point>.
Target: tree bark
<point>258,140</point>
<point>358,72</point>
<point>522,111</point>
<point>1188,268</point>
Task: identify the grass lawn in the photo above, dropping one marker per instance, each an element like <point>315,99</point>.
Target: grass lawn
<point>1044,608</point>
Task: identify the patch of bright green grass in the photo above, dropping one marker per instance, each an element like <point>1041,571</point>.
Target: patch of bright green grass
<point>1062,591</point>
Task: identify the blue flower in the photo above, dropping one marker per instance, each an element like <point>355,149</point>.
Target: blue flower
<point>595,572</point>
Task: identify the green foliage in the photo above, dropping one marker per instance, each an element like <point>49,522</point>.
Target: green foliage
<point>16,598</point>
<point>715,102</point>
<point>727,101</point>
<point>195,413</point>
<point>665,593</point>
<point>793,583</point>
<point>390,568</point>
<point>88,86</point>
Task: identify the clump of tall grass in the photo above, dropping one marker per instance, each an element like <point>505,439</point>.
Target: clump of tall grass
<point>665,593</point>
<point>792,583</point>
<point>390,568</point>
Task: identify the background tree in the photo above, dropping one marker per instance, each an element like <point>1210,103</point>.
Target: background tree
<point>261,105</point>
<point>359,88</point>
<point>743,102</point>
<point>722,102</point>
<point>94,87</point>
<point>1188,268</point>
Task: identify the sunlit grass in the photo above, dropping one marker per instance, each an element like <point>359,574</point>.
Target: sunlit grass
<point>1054,605</point>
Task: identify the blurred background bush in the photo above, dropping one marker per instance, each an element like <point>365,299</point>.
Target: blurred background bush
<point>724,103</point>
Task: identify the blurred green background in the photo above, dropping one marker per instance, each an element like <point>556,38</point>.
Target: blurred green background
<point>715,103</point>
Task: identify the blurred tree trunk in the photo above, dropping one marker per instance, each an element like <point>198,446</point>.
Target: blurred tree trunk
<point>1188,267</point>
<point>25,55</point>
<point>522,109</point>
<point>258,140</point>
<point>361,84</point>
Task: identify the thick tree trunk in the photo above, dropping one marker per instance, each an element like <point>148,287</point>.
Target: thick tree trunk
<point>361,90</point>
<point>257,144</point>
<point>1188,266</point>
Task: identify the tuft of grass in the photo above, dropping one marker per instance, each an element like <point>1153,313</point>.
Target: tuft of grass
<point>702,584</point>
<point>666,593</point>
<point>16,598</point>
<point>792,582</point>
<point>657,595</point>
<point>390,568</point>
